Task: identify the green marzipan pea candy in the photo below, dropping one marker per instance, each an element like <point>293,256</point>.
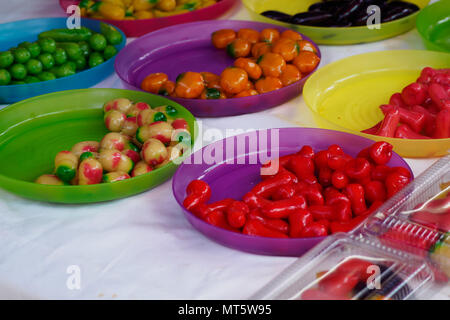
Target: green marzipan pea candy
<point>5,77</point>
<point>46,76</point>
<point>18,71</point>
<point>98,42</point>
<point>6,59</point>
<point>21,55</point>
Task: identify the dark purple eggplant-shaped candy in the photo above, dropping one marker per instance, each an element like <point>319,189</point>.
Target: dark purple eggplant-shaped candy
<point>402,4</point>
<point>395,14</point>
<point>312,18</point>
<point>277,15</point>
<point>346,12</point>
<point>328,6</point>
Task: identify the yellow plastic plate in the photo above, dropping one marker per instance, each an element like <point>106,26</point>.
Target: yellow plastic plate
<point>346,95</point>
<point>333,36</point>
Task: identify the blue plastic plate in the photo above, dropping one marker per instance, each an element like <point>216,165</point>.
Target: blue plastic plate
<point>16,32</point>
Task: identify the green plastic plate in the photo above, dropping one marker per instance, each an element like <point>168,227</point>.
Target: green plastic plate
<point>433,24</point>
<point>34,130</point>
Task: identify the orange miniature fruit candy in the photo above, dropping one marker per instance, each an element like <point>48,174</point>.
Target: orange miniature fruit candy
<point>260,48</point>
<point>221,38</point>
<point>272,64</point>
<point>269,35</point>
<point>215,85</point>
<point>210,77</point>
<point>247,93</point>
<point>153,82</point>
<point>250,85</point>
<point>189,85</point>
<point>305,45</point>
<point>268,84</point>
<point>167,88</point>
<point>306,61</point>
<point>239,48</point>
<point>291,34</point>
<point>290,75</point>
<point>287,48</point>
<point>251,67</point>
<point>233,80</point>
<point>250,35</point>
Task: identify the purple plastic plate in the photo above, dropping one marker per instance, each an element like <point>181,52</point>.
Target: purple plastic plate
<point>239,170</point>
<point>188,47</point>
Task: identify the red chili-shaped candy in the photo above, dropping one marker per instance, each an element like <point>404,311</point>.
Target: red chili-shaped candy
<point>339,180</point>
<point>373,130</point>
<point>315,229</point>
<point>375,190</point>
<point>321,159</point>
<point>405,132</point>
<point>438,95</point>
<point>397,101</point>
<point>303,167</point>
<point>237,214</point>
<point>267,187</point>
<point>364,153</point>
<point>220,205</point>
<point>298,220</point>
<point>253,201</point>
<point>395,182</point>
<point>335,150</point>
<point>257,228</point>
<point>442,125</point>
<point>415,120</point>
<point>312,195</point>
<point>317,294</point>
<point>355,192</point>
<point>380,172</point>
<point>198,191</point>
<point>342,211</point>
<point>325,176</point>
<point>306,151</point>
<point>430,124</point>
<point>338,161</point>
<point>282,208</point>
<point>284,192</point>
<point>389,124</point>
<point>218,219</point>
<point>320,212</point>
<point>381,152</point>
<point>415,93</point>
<point>358,169</point>
<point>274,224</point>
<point>332,195</point>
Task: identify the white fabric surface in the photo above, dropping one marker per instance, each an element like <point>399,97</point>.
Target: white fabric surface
<point>141,247</point>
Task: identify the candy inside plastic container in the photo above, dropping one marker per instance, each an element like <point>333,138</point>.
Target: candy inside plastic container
<point>401,252</point>
<point>351,268</point>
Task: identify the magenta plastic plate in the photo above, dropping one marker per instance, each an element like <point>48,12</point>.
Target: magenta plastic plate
<point>188,47</point>
<point>240,170</point>
<point>137,28</point>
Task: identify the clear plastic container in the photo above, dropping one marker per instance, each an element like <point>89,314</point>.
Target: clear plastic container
<point>348,267</point>
<point>401,252</point>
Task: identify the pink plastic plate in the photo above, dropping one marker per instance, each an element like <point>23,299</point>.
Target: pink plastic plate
<point>188,47</point>
<point>229,179</point>
<point>137,28</point>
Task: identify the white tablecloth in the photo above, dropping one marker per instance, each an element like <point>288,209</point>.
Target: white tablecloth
<point>141,247</point>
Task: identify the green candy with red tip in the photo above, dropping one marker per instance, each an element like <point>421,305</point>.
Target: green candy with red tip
<point>159,116</point>
<point>115,176</point>
<point>86,155</point>
<point>132,146</point>
<point>66,164</point>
